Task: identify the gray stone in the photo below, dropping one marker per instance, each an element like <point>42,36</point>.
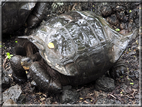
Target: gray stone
<point>105,84</point>
<point>5,80</point>
<point>107,101</point>
<point>9,102</point>
<point>21,99</point>
<point>69,96</point>
<point>12,93</point>
<point>33,83</point>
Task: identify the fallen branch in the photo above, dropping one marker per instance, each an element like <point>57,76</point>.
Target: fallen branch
<point>112,96</point>
<point>5,62</point>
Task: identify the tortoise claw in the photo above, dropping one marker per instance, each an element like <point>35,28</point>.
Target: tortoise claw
<point>118,69</point>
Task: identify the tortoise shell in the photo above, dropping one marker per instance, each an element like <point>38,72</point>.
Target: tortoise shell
<point>82,43</point>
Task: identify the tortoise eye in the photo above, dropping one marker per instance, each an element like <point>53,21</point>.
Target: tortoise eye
<point>28,60</point>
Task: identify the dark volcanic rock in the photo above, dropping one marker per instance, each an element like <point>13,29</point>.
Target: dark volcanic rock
<point>106,10</point>
<point>9,102</point>
<point>120,15</point>
<point>69,95</point>
<point>130,26</point>
<point>107,101</point>
<point>105,84</point>
<point>125,19</point>
<point>5,80</point>
<point>113,19</point>
<point>21,99</point>
<point>12,93</point>
<point>119,8</point>
<point>122,26</point>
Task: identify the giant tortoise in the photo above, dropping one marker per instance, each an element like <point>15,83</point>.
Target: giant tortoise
<point>15,15</point>
<point>73,48</point>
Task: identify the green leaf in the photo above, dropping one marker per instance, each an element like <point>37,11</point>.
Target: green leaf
<point>130,11</point>
<point>131,83</point>
<point>117,29</point>
<point>9,55</point>
<point>0,46</point>
<point>16,41</point>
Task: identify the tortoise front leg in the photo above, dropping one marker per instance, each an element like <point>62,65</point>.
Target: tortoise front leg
<point>118,69</point>
<point>45,82</point>
<point>18,73</point>
<point>22,60</point>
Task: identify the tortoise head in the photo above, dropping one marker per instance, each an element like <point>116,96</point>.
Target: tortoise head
<point>26,63</point>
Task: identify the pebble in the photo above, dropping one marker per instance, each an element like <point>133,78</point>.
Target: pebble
<point>120,15</point>
<point>136,86</point>
<point>21,99</point>
<point>128,90</point>
<point>112,19</point>
<point>106,10</point>
<point>107,101</point>
<point>122,26</point>
<point>120,8</point>
<point>33,83</point>
<point>5,80</point>
<point>12,93</point>
<point>69,96</point>
<point>9,102</point>
<point>125,19</point>
<point>137,96</point>
<point>130,26</point>
<point>105,84</point>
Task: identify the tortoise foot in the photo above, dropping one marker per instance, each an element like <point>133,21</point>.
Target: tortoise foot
<point>118,69</point>
<point>17,79</point>
<point>44,81</point>
<point>18,74</point>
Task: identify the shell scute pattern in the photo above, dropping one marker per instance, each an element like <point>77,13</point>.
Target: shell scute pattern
<point>81,41</point>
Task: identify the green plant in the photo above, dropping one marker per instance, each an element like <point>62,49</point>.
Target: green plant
<point>117,29</point>
<point>9,55</point>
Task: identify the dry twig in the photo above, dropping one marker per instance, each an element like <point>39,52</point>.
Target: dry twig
<point>4,62</point>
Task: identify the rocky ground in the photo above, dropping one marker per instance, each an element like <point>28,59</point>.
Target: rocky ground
<point>123,17</point>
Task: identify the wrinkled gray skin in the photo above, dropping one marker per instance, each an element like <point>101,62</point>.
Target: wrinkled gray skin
<point>85,47</point>
<point>16,14</point>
